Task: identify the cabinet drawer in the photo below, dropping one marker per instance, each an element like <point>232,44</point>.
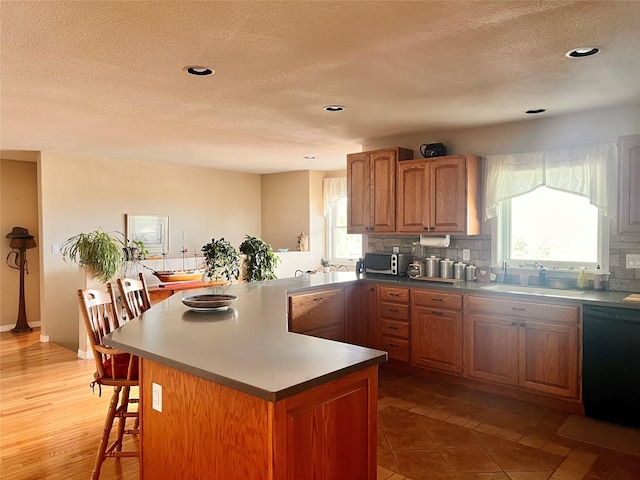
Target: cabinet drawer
<point>397,329</point>
<point>395,311</point>
<point>437,299</point>
<point>315,310</point>
<point>394,294</point>
<point>529,310</point>
<point>396,348</point>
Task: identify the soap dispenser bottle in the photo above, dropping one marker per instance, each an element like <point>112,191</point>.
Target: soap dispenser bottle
<point>583,282</point>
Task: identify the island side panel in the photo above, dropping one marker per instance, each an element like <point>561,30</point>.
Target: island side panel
<point>205,430</point>
<point>329,431</point>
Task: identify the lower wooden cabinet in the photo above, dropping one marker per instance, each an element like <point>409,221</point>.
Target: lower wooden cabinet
<point>536,346</point>
<point>393,321</point>
<point>436,332</point>
<point>361,317</point>
<point>319,313</point>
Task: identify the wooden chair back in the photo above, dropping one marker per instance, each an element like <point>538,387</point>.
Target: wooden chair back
<point>135,296</point>
<point>100,315</point>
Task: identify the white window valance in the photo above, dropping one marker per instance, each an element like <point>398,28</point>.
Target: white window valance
<point>333,190</point>
<point>589,171</point>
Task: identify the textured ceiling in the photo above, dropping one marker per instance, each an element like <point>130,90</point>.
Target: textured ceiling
<point>106,77</point>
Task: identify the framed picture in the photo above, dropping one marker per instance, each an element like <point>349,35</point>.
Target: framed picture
<point>152,230</point>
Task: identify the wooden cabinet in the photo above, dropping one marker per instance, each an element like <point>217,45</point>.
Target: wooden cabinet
<point>629,185</point>
<point>361,321</point>
<point>531,345</point>
<point>439,195</point>
<point>371,190</point>
<point>319,313</point>
<point>436,330</point>
<point>393,316</point>
<point>328,431</point>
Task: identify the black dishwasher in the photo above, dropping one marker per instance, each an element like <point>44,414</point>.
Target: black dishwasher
<point>611,364</point>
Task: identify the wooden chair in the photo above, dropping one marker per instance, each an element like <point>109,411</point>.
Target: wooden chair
<point>114,368</point>
<point>135,296</point>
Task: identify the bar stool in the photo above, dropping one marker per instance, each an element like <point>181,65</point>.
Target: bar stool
<point>134,295</point>
<point>114,368</point>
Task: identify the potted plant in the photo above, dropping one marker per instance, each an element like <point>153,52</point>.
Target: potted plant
<point>261,261</point>
<point>222,259</point>
<point>100,253</point>
<point>325,264</point>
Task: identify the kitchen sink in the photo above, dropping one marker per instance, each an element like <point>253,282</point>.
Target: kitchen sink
<point>532,290</point>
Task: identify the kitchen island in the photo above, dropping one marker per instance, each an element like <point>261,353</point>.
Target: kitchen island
<point>241,397</point>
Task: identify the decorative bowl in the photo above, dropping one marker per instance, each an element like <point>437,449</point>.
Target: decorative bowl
<point>283,250</point>
<point>209,302</point>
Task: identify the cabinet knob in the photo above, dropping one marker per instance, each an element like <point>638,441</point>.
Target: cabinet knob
<point>514,324</point>
<point>523,324</point>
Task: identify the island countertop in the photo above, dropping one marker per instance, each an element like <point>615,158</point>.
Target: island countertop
<point>248,346</point>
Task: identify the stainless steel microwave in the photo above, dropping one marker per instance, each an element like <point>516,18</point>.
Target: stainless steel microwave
<point>387,263</point>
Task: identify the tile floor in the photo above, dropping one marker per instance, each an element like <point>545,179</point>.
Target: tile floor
<point>428,430</point>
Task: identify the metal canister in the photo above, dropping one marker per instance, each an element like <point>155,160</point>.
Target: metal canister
<point>446,268</point>
<point>459,270</point>
<point>470,273</point>
<point>432,266</point>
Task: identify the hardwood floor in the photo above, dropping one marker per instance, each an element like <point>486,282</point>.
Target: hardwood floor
<point>50,422</point>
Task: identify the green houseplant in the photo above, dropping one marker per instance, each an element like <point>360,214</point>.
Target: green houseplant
<point>223,260</point>
<point>261,261</point>
<point>99,252</point>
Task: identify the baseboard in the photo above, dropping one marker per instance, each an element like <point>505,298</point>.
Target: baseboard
<point>85,354</point>
<point>8,328</point>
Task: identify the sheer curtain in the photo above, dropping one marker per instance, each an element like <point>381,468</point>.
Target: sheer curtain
<point>333,190</point>
<point>590,171</point>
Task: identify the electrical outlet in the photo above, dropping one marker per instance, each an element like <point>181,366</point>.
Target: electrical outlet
<point>156,401</point>
<point>633,260</point>
<point>55,249</point>
<point>466,254</point>
<point>396,249</point>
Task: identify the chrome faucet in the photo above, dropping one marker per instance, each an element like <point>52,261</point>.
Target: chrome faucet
<point>542,274</point>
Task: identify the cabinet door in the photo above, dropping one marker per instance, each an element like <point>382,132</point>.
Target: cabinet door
<point>361,320</point>
<point>413,207</point>
<point>492,349</point>
<point>436,339</point>
<point>358,193</point>
<point>549,358</point>
<point>629,185</point>
<point>383,191</point>
<point>316,310</point>
<point>448,195</point>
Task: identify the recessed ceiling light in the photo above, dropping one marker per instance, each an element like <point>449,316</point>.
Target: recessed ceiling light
<point>309,157</point>
<point>334,108</point>
<point>538,110</point>
<point>581,52</point>
<point>197,70</point>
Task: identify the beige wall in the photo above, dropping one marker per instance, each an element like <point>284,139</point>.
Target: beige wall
<point>541,133</point>
<point>19,208</point>
<point>285,208</point>
<point>82,193</point>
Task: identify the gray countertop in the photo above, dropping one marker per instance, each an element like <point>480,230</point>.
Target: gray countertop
<point>248,347</point>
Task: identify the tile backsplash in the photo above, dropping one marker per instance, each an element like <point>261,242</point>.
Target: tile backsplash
<point>622,278</point>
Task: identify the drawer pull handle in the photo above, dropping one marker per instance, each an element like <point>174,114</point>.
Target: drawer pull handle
<point>518,309</point>
<point>392,327</point>
<point>435,313</point>
<point>393,310</point>
<point>394,345</point>
<point>436,299</point>
<point>394,294</point>
<point>317,299</point>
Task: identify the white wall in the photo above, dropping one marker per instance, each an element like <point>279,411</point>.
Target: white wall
<point>82,193</point>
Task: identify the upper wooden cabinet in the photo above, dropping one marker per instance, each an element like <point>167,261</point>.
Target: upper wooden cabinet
<point>371,190</point>
<point>439,195</point>
<point>629,185</point>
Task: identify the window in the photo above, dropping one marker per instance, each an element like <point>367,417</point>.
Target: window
<point>557,229</point>
<point>341,246</point>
